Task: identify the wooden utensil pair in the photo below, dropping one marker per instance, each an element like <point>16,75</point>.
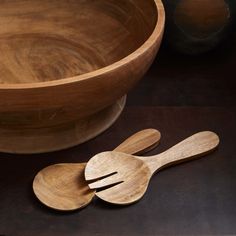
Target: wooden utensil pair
<point>63,187</point>
<point>127,175</point>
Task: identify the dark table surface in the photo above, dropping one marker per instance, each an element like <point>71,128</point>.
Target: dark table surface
<point>180,95</point>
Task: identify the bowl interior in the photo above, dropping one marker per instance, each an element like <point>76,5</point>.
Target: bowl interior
<point>43,40</point>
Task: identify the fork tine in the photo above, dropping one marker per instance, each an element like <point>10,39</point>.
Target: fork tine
<point>113,179</point>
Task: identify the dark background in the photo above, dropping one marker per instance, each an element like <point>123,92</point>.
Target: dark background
<point>180,95</point>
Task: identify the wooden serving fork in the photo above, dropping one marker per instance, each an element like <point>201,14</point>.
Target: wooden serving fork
<point>129,175</point>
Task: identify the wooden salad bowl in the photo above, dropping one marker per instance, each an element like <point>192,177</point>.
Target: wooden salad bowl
<point>66,67</point>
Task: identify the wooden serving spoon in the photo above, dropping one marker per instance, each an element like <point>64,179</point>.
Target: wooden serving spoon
<point>63,187</point>
<point>132,173</point>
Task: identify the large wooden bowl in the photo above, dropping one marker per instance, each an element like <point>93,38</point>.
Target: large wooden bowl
<point>66,66</point>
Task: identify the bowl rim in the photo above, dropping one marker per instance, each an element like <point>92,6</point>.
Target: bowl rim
<point>155,35</point>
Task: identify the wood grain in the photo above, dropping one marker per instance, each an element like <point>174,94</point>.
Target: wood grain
<point>63,187</point>
<point>132,174</point>
<point>49,139</point>
<point>64,61</point>
<point>148,138</point>
<point>51,40</point>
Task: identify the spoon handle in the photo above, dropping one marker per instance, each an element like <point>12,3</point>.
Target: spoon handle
<point>197,145</point>
<point>141,142</point>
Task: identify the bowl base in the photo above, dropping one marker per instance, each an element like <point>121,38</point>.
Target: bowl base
<point>32,141</point>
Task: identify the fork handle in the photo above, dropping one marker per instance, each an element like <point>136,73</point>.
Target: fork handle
<point>197,145</point>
